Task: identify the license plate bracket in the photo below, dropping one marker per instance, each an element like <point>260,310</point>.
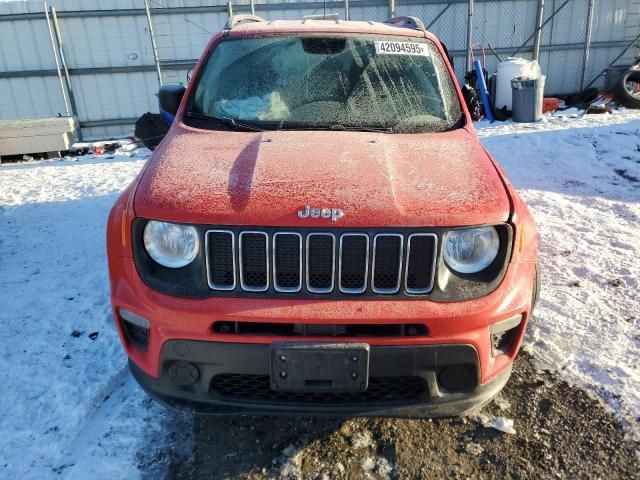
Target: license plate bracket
<point>319,367</point>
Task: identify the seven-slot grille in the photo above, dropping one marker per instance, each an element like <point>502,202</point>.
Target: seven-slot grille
<point>320,262</point>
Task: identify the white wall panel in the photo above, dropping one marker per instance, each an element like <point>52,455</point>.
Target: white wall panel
<point>32,97</point>
<point>115,95</point>
<point>106,42</point>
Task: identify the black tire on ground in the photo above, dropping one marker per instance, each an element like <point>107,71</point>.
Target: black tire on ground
<point>622,94</point>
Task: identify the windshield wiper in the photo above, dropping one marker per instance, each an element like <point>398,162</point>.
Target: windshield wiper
<point>226,121</point>
<point>301,126</point>
<point>361,129</point>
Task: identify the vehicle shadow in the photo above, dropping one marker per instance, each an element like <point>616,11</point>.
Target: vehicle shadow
<point>231,447</point>
<point>559,427</point>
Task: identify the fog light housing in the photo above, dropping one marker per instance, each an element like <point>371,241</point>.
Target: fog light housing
<point>183,373</point>
<point>458,378</point>
<point>136,329</point>
<point>504,334</point>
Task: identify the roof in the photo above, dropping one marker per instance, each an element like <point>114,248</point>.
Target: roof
<point>326,26</point>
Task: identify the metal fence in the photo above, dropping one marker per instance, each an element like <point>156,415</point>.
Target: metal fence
<point>102,59</point>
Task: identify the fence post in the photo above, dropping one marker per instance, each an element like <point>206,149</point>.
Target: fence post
<point>538,38</point>
<point>392,8</point>
<point>230,9</point>
<point>252,3</point>
<point>55,57</point>
<point>65,68</point>
<point>346,9</point>
<point>469,32</point>
<point>587,42</point>
<point>154,48</point>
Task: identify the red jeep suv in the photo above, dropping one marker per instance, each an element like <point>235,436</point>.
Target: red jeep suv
<point>321,231</point>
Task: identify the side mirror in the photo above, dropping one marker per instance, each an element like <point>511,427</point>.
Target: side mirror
<point>449,56</point>
<point>169,98</point>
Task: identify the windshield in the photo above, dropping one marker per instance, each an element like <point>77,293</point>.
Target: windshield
<point>395,84</point>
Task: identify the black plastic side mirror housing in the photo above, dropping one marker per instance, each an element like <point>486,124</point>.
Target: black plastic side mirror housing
<point>449,56</point>
<point>170,96</point>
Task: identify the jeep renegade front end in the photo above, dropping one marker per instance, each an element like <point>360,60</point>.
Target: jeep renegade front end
<point>321,231</point>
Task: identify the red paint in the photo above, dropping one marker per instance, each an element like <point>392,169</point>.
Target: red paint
<point>550,105</point>
<point>260,178</point>
<point>248,178</point>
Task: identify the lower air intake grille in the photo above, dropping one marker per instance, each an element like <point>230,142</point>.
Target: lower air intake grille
<point>257,389</point>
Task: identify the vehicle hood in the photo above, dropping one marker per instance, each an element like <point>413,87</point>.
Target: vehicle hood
<point>264,178</point>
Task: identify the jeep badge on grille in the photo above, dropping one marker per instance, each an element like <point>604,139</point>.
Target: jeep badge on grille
<point>334,214</point>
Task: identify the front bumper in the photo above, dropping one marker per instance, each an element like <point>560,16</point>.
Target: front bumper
<point>460,323</point>
<point>250,363</point>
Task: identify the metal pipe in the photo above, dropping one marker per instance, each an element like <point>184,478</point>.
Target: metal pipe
<point>65,67</point>
<point>524,44</point>
<point>156,59</point>
<point>392,8</point>
<point>346,10</point>
<point>538,32</point>
<point>252,5</point>
<point>469,33</point>
<point>230,9</point>
<point>437,17</point>
<point>587,42</point>
<point>63,90</point>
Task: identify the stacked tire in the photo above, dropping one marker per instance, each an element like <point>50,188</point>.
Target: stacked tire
<point>627,89</point>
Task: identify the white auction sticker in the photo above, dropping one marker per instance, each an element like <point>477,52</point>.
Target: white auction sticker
<point>402,48</point>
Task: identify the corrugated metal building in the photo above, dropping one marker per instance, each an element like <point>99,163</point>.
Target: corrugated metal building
<point>108,51</point>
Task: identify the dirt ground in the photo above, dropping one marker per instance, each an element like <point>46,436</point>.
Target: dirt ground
<point>561,432</point>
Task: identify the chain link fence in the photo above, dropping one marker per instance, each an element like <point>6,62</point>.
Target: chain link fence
<point>113,63</point>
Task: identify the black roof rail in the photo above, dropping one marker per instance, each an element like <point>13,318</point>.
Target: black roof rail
<point>407,22</point>
<point>236,20</point>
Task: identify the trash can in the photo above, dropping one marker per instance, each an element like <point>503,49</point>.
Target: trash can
<point>528,95</point>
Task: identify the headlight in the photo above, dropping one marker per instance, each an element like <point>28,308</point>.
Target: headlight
<point>471,250</point>
<point>170,244</point>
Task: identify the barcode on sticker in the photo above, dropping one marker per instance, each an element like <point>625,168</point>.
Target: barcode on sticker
<point>401,48</point>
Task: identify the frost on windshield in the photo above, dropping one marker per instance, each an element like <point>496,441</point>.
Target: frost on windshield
<point>328,81</point>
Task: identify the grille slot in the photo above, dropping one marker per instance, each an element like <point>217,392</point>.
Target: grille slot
<point>421,262</point>
<point>387,263</point>
<point>321,264</point>
<point>287,262</point>
<point>354,262</point>
<point>254,267</point>
<point>221,262</point>
<point>381,390</point>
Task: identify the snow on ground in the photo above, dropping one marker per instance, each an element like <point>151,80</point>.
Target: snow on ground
<point>57,376</point>
<point>581,179</point>
<point>69,406</point>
